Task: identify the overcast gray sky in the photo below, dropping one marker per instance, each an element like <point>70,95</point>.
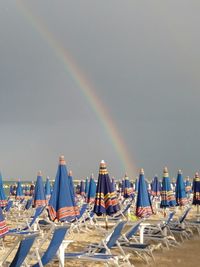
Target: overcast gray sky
<point>142,58</point>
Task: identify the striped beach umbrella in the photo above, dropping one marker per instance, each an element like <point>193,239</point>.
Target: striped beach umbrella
<point>3,226</point>
<point>92,190</point>
<point>3,199</point>
<point>113,184</point>
<point>143,203</point>
<point>62,204</point>
<point>167,195</point>
<point>181,198</point>
<point>19,191</point>
<point>196,190</point>
<point>188,186</point>
<point>106,200</point>
<point>47,189</point>
<point>155,187</point>
<point>128,190</point>
<point>39,194</point>
<point>71,184</point>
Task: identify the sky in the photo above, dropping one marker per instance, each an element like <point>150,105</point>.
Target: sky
<point>140,59</point>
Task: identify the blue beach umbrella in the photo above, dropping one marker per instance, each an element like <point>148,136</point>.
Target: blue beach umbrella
<point>188,186</point>
<point>26,190</point>
<point>82,188</point>
<point>3,200</point>
<point>39,194</point>
<point>3,226</point>
<point>86,186</point>
<point>106,200</point>
<point>92,190</point>
<point>122,186</point>
<point>32,189</point>
<point>62,204</point>
<point>196,190</point>
<point>167,195</point>
<point>71,184</point>
<point>143,203</point>
<point>113,184</point>
<point>155,187</point>
<point>128,190</point>
<point>19,191</point>
<point>11,190</point>
<point>47,188</point>
<point>181,198</point>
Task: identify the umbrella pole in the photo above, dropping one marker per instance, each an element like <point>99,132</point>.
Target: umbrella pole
<point>198,212</point>
<point>106,221</point>
<point>165,212</point>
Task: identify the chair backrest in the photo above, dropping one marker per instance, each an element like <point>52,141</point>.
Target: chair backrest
<point>114,236</point>
<point>171,215</point>
<point>38,212</point>
<point>28,204</point>
<point>82,210</point>
<point>133,229</point>
<point>9,205</point>
<point>23,250</point>
<point>58,237</point>
<point>182,217</point>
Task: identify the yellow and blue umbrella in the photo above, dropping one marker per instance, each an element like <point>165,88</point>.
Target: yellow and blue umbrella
<point>128,190</point>
<point>62,206</point>
<point>143,203</point>
<point>106,200</point>
<point>196,190</point>
<point>155,187</point>
<point>181,198</point>
<point>167,195</point>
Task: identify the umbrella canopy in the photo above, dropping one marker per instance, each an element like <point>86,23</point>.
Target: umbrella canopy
<point>71,184</point>
<point>62,204</point>
<point>188,186</point>
<point>181,198</point>
<point>26,190</point>
<point>106,200</point>
<point>39,194</point>
<point>196,190</point>
<point>86,186</point>
<point>82,188</point>
<point>47,188</point>
<point>155,187</point>
<point>167,195</point>
<point>128,190</point>
<point>122,186</point>
<point>113,184</point>
<point>32,188</point>
<point>3,200</point>
<point>143,203</point>
<point>92,190</point>
<point>19,191</point>
<point>3,226</point>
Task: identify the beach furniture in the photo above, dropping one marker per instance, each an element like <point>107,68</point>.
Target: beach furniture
<point>39,198</point>
<point>62,206</point>
<point>25,242</point>
<point>102,252</point>
<point>143,202</point>
<point>106,199</point>
<point>180,193</point>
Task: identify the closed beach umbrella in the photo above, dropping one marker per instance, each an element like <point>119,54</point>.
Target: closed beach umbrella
<point>47,189</point>
<point>113,184</point>
<point>188,186</point>
<point>128,190</point>
<point>3,226</point>
<point>167,195</point>
<point>82,188</point>
<point>181,198</point>
<point>143,203</point>
<point>39,194</point>
<point>71,184</point>
<point>3,200</point>
<point>19,191</point>
<point>196,190</point>
<point>62,204</point>
<point>155,187</point>
<point>106,200</point>
<point>92,190</point>
<point>86,186</point>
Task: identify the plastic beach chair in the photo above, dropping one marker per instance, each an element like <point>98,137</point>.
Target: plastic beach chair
<point>26,242</point>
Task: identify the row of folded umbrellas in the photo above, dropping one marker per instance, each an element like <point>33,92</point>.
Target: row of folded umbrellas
<point>62,201</point>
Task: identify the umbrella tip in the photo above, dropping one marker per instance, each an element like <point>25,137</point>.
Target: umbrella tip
<point>70,173</point>
<point>165,170</point>
<point>196,174</point>
<point>103,161</point>
<point>141,171</point>
<point>179,172</point>
<point>62,160</point>
<point>39,173</point>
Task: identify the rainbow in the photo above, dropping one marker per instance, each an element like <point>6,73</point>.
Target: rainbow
<point>85,87</point>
